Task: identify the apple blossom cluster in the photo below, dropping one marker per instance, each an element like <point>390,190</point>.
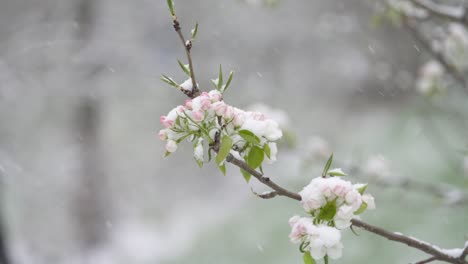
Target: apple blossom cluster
<point>250,136</point>
<point>331,203</point>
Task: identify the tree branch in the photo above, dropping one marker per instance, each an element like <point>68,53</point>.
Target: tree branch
<point>465,252</point>
<point>455,14</point>
<point>450,68</point>
<point>187,46</point>
<point>426,260</point>
<point>411,242</point>
<point>265,180</point>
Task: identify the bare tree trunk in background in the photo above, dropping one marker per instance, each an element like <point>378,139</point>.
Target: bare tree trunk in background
<point>91,195</point>
<point>90,203</point>
<point>3,240</point>
<point>4,257</point>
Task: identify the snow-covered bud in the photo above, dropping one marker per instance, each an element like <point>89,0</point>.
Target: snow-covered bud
<point>171,146</point>
<point>198,151</point>
<point>187,85</point>
<point>215,96</point>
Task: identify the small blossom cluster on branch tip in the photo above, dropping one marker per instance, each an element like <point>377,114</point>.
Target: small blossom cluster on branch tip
<point>331,203</point>
<point>250,136</point>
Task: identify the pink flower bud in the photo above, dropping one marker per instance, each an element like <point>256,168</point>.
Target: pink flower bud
<point>198,115</point>
<point>220,108</point>
<point>162,134</point>
<point>188,104</point>
<point>167,123</point>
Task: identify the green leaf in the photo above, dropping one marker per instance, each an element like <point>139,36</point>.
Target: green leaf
<point>226,145</point>
<point>167,154</point>
<point>184,67</point>
<point>336,172</point>
<point>220,78</point>
<point>249,136</point>
<point>222,168</point>
<point>209,154</point>
<point>361,188</point>
<point>325,259</point>
<point>245,174</point>
<point>170,4</point>
<point>267,150</point>
<point>169,81</point>
<point>327,166</point>
<point>199,163</point>
<point>215,83</point>
<point>231,74</point>
<point>361,209</point>
<point>194,31</point>
<point>308,259</point>
<point>328,211</point>
<point>255,157</point>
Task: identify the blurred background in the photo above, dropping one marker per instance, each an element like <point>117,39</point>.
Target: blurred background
<point>82,173</point>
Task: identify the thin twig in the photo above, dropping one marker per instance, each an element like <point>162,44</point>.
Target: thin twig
<point>449,67</point>
<point>265,180</point>
<point>188,47</point>
<point>426,260</point>
<point>455,14</point>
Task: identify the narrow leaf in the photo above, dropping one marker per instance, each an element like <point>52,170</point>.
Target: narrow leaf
<point>215,83</point>
<point>308,259</point>
<point>255,157</point>
<point>361,188</point>
<point>169,81</point>
<point>249,136</point>
<point>222,168</point>
<point>226,145</point>
<point>327,166</point>
<point>170,4</point>
<point>200,163</point>
<point>267,149</point>
<point>361,209</point>
<point>194,31</point>
<point>245,174</point>
<point>325,259</point>
<point>336,172</point>
<point>184,67</point>
<point>231,74</point>
<point>220,78</point>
